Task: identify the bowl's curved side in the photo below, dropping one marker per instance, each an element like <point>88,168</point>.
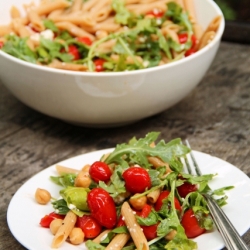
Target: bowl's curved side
<point>105,99</point>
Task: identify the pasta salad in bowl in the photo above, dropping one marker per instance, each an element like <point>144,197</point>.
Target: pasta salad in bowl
<point>137,196</point>
<point>98,52</point>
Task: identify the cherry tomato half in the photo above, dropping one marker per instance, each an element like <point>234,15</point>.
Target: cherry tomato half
<point>137,179</point>
<point>183,37</point>
<point>186,188</point>
<point>99,64</point>
<point>47,219</point>
<point>89,226</point>
<point>102,207</point>
<point>164,194</point>
<point>1,44</point>
<point>191,224</point>
<point>100,171</point>
<point>85,40</point>
<point>144,213</point>
<point>73,50</point>
<point>156,13</point>
<point>150,232</point>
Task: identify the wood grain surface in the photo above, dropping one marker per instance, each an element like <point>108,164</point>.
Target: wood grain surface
<point>215,118</point>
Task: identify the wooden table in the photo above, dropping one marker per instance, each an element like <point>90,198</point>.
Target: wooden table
<point>215,118</point>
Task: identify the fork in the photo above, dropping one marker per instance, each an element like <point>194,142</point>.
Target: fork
<point>231,237</point>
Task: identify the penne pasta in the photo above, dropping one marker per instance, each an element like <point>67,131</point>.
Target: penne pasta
<point>118,242</point>
<point>48,7</point>
<point>65,170</point>
<point>64,230</point>
<point>14,12</point>
<point>133,227</point>
<point>67,66</point>
<point>74,29</point>
<point>35,20</point>
<point>101,236</point>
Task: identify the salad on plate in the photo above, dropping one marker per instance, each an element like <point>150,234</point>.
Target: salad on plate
<point>138,196</point>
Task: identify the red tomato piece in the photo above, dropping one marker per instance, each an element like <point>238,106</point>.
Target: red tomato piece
<point>156,13</point>
<point>191,224</point>
<point>190,52</point>
<point>89,226</point>
<point>137,179</point>
<point>85,40</point>
<point>150,232</point>
<point>186,188</point>
<point>183,37</point>
<point>146,210</point>
<point>1,44</point>
<point>73,50</point>
<point>99,64</point>
<point>164,194</point>
<point>47,219</point>
<point>100,171</point>
<point>102,207</point>
<point>120,222</point>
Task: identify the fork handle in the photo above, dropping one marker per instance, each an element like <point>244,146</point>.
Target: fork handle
<point>232,239</point>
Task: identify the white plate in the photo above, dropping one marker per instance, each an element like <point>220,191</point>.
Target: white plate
<point>24,213</point>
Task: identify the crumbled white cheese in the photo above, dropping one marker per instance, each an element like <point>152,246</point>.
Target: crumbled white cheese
<point>145,63</point>
<point>47,34</point>
<point>71,206</point>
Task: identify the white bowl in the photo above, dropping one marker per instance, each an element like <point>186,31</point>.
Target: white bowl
<point>107,99</point>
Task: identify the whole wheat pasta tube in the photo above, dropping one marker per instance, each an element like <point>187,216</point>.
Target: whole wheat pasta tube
<point>214,24</point>
<point>14,12</point>
<point>166,31</point>
<point>206,39</point>
<point>101,236</point>
<point>64,230</point>
<point>20,29</point>
<point>133,227</point>
<point>131,1</point>
<point>118,242</point>
<point>153,196</point>
<point>5,30</point>
<point>67,66</point>
<point>198,31</point>
<point>102,14</point>
<point>65,170</point>
<point>88,5</point>
<point>73,29</point>
<point>35,20</point>
<point>76,6</point>
<point>145,8</point>
<point>48,7</point>
<point>189,7</point>
<point>100,5</point>
<point>156,162</point>
<point>77,18</point>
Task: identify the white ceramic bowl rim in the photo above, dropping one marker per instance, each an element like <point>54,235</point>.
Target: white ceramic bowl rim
<point>125,73</point>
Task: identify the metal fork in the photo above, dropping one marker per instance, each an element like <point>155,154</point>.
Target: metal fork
<point>231,237</point>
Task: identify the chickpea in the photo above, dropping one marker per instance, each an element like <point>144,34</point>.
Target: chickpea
<point>171,235</point>
<point>83,179</point>
<point>54,225</point>
<point>42,196</point>
<point>76,236</point>
<point>138,203</point>
<point>101,34</point>
<point>86,168</point>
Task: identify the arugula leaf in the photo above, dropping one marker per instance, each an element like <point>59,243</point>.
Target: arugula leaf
<point>64,180</point>
<point>17,47</point>
<point>60,206</point>
<point>151,219</point>
<point>122,14</point>
<point>138,150</point>
<point>49,24</point>
<point>91,245</point>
